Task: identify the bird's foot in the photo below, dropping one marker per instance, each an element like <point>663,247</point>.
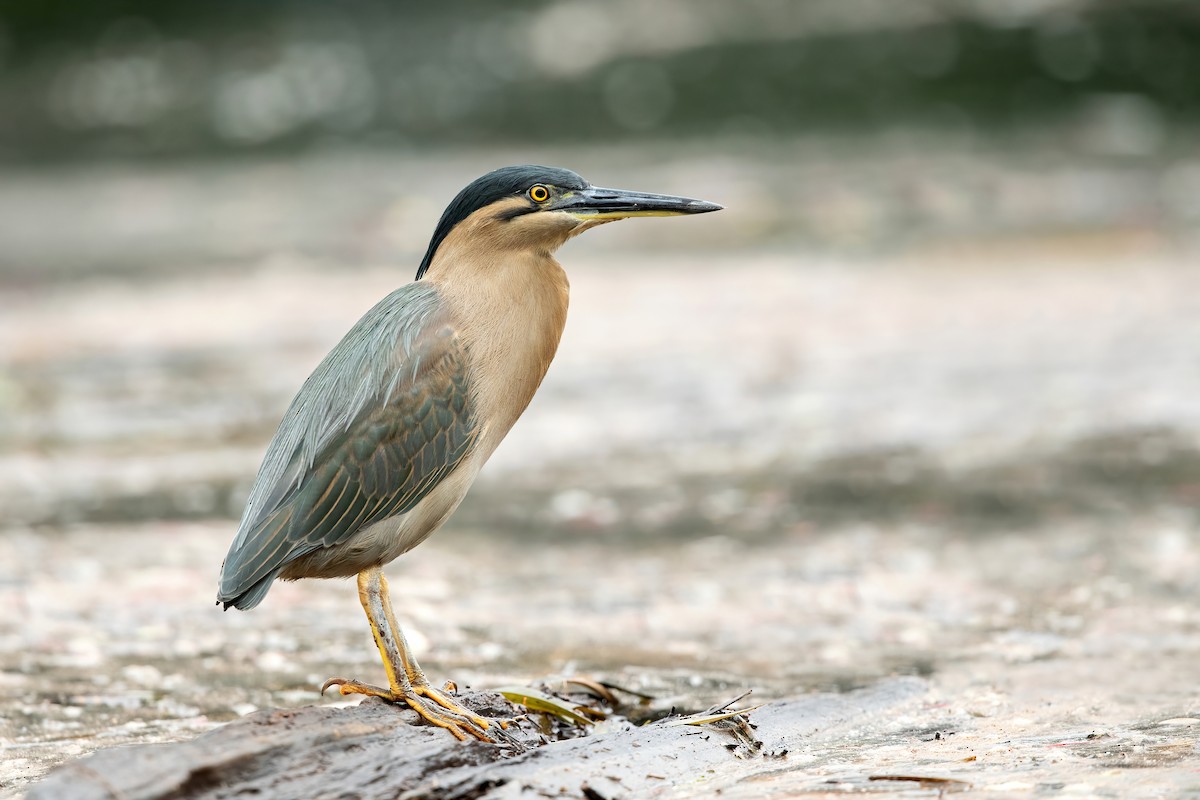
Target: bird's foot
<point>432,705</point>
<point>441,697</point>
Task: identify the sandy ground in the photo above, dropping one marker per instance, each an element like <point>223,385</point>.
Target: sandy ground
<point>978,464</point>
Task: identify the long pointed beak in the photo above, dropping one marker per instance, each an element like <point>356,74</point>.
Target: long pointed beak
<point>597,203</point>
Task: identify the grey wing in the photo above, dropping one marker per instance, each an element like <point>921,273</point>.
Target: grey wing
<point>384,418</point>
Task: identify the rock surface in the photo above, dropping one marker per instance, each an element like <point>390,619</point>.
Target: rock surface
<point>374,751</point>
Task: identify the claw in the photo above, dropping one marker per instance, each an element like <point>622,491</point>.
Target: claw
<point>347,686</point>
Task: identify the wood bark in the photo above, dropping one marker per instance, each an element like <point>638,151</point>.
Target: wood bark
<point>375,750</point>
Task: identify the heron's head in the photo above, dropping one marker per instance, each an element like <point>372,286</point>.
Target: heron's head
<point>538,208</point>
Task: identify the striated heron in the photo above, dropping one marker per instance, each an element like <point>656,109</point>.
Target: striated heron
<point>386,436</point>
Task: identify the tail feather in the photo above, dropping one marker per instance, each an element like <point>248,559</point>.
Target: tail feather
<point>248,570</point>
<point>252,596</point>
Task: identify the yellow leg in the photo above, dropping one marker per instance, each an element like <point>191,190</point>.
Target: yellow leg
<point>407,682</point>
<point>416,676</point>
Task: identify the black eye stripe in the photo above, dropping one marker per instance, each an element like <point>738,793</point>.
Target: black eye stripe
<point>506,182</point>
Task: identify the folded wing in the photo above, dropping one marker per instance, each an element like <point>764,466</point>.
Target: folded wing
<point>381,421</point>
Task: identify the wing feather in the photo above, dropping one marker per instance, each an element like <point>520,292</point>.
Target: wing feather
<point>384,418</point>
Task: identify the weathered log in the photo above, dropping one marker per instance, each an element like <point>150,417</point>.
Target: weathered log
<point>375,750</point>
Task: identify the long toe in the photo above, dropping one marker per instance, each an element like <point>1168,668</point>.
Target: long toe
<point>453,706</point>
<point>347,686</point>
<point>453,717</point>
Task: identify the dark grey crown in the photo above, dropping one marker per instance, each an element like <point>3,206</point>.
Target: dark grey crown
<point>496,185</point>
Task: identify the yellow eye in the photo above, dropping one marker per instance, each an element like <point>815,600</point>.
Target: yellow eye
<point>539,193</point>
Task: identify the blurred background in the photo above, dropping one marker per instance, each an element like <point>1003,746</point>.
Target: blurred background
<point>922,399</point>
